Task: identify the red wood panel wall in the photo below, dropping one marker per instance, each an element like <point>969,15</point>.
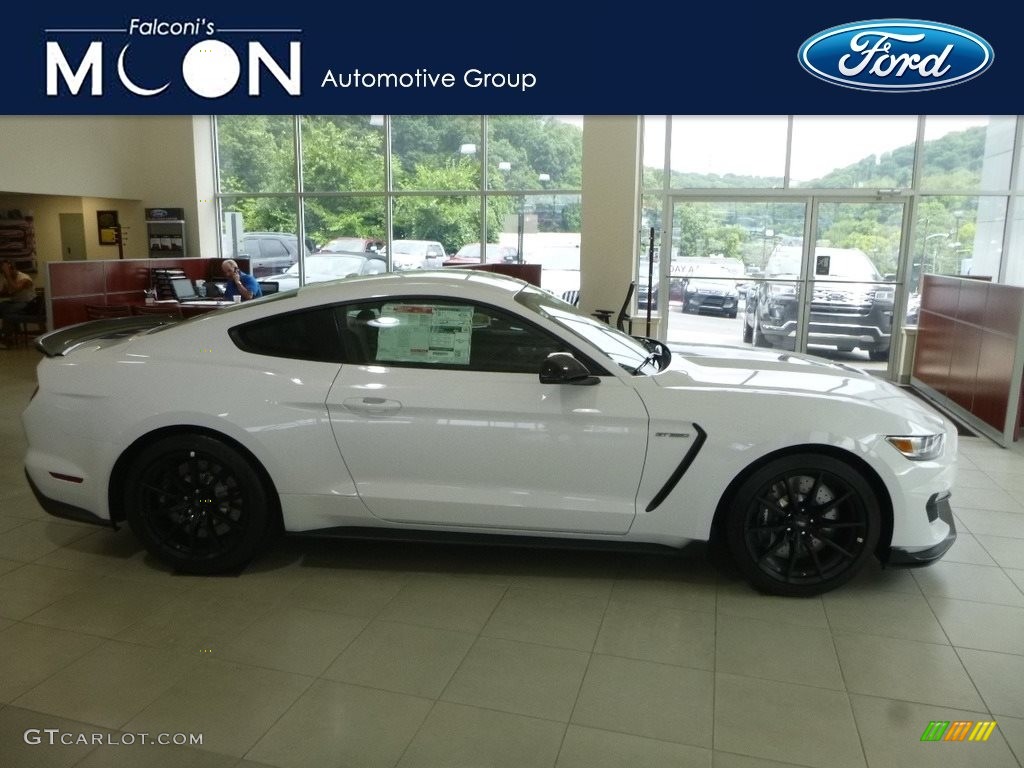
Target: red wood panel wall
<point>967,344</point>
<point>529,272</point>
<point>75,284</point>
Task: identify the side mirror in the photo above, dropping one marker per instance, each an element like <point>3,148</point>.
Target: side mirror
<point>662,354</point>
<point>563,368</point>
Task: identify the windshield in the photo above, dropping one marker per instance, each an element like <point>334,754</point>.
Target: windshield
<point>411,247</point>
<point>354,244</point>
<point>832,263</point>
<point>620,347</point>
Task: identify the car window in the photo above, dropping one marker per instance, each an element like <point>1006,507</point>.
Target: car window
<point>305,335</point>
<point>445,334</point>
<point>273,248</point>
<point>250,247</point>
<point>620,347</point>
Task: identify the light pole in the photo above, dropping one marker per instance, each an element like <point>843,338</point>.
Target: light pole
<point>935,255</point>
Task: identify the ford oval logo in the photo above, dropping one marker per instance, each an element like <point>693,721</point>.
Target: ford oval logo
<point>896,55</point>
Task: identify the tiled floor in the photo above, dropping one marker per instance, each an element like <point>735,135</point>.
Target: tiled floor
<point>341,654</point>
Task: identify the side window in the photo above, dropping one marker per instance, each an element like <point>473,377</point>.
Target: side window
<point>443,334</point>
<point>250,247</point>
<point>306,335</point>
<point>273,248</point>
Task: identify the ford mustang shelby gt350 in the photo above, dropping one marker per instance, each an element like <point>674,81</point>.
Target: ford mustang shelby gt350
<point>466,404</point>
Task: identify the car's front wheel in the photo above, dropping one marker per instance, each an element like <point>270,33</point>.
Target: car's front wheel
<point>756,336</point>
<point>198,504</point>
<point>802,525</point>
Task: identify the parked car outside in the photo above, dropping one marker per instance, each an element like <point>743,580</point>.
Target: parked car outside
<point>351,245</point>
<point>416,254</point>
<point>493,254</point>
<point>715,292</point>
<point>326,266</point>
<point>269,253</point>
<point>321,411</point>
<point>851,304</point>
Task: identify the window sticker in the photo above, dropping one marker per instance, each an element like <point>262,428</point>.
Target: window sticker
<point>424,333</point>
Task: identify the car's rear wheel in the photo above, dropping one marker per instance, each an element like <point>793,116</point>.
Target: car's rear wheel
<point>879,355</point>
<point>748,333</point>
<point>198,504</point>
<point>802,525</point>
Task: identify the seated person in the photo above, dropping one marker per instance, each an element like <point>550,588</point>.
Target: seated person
<point>19,289</point>
<point>239,283</point>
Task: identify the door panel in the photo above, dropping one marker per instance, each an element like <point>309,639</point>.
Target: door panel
<point>490,449</point>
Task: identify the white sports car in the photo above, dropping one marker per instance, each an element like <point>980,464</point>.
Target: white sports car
<point>461,404</point>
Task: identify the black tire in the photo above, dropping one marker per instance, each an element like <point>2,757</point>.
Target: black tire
<point>748,333</point>
<point>879,355</point>
<point>757,337</point>
<point>198,504</point>
<point>732,315</point>
<point>802,525</point>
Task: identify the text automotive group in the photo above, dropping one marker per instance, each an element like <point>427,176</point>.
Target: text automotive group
<point>424,78</point>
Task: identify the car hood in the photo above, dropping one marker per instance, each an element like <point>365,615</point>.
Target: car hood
<point>703,284</point>
<point>771,372</point>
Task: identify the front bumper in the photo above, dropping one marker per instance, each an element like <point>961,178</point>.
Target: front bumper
<point>900,557</point>
<point>700,302</point>
<point>867,326</point>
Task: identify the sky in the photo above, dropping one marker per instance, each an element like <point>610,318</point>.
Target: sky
<point>755,145</point>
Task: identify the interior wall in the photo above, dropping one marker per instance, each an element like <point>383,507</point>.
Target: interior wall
<point>45,211</point>
<point>169,172</point>
<point>132,218</point>
<point>71,164</point>
<point>611,147</point>
<point>72,155</point>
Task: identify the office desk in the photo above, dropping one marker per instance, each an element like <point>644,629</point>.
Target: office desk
<point>193,308</point>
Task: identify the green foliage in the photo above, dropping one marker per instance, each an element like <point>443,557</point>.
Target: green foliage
<point>345,153</point>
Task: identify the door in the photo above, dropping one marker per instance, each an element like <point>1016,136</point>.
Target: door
<point>72,236</point>
<point>446,423</point>
<point>850,309</point>
<point>718,253</point>
<point>808,274</point>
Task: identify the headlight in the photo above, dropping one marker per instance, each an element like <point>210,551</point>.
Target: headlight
<point>918,447</point>
<point>885,293</point>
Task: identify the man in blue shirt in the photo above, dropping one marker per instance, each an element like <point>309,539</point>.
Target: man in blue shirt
<point>239,283</point>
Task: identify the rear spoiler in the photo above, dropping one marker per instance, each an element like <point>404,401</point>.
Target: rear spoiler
<point>63,340</point>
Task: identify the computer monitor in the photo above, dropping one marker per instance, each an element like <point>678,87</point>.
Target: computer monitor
<point>183,289</point>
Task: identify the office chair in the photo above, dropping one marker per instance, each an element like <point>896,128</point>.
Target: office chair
<point>624,322</point>
<point>34,314</point>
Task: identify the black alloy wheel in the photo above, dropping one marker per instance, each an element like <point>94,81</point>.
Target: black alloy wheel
<point>803,525</point>
<point>197,504</point>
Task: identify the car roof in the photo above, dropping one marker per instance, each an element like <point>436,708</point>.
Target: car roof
<point>444,282</point>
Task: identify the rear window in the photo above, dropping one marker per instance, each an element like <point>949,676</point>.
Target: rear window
<point>306,335</point>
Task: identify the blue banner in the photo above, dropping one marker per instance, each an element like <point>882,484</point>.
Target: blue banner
<point>431,58</point>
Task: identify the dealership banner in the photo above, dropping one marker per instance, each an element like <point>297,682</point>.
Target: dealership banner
<point>548,58</point>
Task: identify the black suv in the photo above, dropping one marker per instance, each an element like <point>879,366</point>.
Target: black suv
<point>851,306</point>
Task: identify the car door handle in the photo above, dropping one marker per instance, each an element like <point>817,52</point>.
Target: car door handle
<point>372,406</point>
